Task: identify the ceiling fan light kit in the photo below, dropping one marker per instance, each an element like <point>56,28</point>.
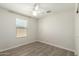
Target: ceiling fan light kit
<point>37,10</point>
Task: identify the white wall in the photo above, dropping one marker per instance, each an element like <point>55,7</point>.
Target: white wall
<point>77,34</point>
<point>8,30</point>
<point>58,29</point>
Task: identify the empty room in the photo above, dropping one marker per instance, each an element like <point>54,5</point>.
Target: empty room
<point>39,29</point>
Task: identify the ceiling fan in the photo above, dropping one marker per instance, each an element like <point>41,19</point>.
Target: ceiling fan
<point>37,9</point>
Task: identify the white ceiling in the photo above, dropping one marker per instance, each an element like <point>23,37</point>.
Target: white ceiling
<point>27,8</point>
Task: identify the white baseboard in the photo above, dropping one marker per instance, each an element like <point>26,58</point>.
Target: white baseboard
<point>57,46</point>
<point>15,46</point>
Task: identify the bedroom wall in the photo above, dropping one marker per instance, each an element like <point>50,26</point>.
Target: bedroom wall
<point>77,34</point>
<point>58,30</point>
<point>8,30</point>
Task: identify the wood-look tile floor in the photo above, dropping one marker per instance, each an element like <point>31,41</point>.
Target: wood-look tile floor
<point>37,49</point>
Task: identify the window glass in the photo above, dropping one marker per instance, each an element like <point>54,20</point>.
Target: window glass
<point>21,27</point>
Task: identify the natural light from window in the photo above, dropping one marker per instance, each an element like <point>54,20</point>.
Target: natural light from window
<point>21,27</point>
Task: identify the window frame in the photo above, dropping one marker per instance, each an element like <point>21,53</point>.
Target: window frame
<point>26,29</point>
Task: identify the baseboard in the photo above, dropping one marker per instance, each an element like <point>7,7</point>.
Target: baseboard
<point>15,46</point>
<point>57,46</point>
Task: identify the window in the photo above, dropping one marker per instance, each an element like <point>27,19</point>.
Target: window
<point>21,27</point>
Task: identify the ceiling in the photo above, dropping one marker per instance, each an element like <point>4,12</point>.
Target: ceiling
<point>27,8</point>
